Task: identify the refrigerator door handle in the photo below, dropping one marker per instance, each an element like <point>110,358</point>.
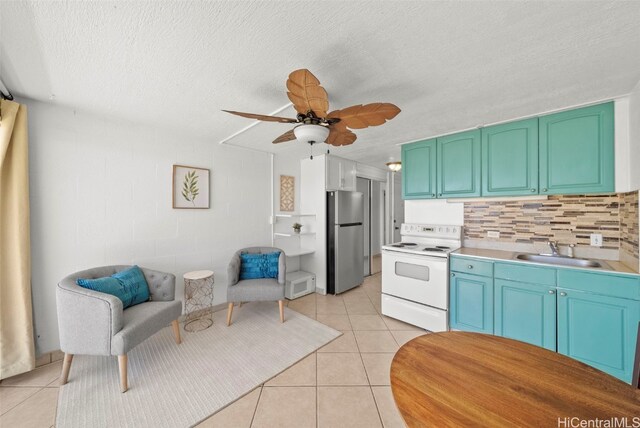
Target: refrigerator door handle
<point>349,224</point>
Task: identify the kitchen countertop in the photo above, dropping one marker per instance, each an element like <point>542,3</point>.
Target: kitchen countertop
<point>613,266</point>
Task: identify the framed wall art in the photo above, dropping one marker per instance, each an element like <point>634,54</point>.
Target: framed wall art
<point>190,187</point>
<point>287,193</point>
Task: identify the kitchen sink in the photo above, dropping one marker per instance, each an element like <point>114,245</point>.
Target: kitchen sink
<point>562,261</point>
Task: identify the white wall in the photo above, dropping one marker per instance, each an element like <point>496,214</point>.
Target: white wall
<point>284,164</point>
<point>101,195</point>
<point>634,137</point>
<point>434,211</point>
<point>377,216</point>
<point>622,145</point>
<point>313,201</point>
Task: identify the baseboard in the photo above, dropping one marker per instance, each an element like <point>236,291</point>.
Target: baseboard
<point>49,357</point>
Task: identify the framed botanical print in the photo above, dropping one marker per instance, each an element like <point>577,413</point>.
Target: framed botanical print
<point>190,187</point>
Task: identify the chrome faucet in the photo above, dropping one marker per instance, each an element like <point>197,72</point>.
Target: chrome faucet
<point>554,248</point>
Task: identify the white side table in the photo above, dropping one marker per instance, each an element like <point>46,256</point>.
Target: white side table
<point>198,300</point>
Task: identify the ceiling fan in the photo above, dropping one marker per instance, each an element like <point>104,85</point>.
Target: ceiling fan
<point>315,123</point>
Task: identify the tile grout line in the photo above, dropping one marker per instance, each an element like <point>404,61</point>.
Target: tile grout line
<point>26,398</point>
<point>367,375</point>
<point>256,408</point>
<point>371,386</point>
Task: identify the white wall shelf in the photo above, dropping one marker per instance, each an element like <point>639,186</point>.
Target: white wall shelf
<point>297,251</point>
<point>294,215</point>
<point>293,234</point>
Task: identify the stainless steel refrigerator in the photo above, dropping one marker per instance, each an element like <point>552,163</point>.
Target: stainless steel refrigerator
<point>345,235</point>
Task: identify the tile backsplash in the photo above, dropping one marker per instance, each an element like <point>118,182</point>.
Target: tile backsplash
<point>568,219</point>
<point>629,228</point>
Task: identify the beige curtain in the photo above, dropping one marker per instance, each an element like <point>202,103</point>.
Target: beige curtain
<point>17,353</point>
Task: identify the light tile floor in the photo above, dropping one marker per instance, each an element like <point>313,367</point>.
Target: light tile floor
<point>343,384</point>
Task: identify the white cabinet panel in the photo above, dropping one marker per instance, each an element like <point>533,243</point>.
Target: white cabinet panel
<point>341,174</point>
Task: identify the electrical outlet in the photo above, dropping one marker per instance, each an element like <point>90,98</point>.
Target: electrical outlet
<point>596,239</point>
<point>493,233</point>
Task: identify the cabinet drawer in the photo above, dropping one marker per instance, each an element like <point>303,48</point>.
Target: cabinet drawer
<point>472,266</point>
<point>600,283</point>
<point>530,274</point>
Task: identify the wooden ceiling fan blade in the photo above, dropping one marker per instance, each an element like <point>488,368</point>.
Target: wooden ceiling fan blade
<point>362,116</point>
<point>340,137</point>
<point>306,93</point>
<point>287,136</point>
<point>263,117</point>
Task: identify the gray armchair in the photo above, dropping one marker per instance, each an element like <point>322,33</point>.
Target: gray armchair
<point>94,323</point>
<point>251,290</point>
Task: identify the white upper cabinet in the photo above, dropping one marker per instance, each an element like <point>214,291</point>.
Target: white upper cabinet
<point>341,174</point>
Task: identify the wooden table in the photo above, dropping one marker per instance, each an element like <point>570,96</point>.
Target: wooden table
<point>472,379</point>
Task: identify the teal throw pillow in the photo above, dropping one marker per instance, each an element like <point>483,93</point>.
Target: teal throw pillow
<point>254,266</point>
<point>128,285</point>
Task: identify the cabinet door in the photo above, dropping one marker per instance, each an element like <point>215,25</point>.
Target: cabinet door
<point>471,303</point>
<point>577,151</point>
<point>526,312</point>
<point>510,159</point>
<point>598,330</point>
<point>348,175</point>
<point>419,170</point>
<point>459,165</point>
<point>333,177</point>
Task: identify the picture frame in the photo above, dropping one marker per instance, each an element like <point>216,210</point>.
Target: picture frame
<point>287,193</point>
<point>190,187</point>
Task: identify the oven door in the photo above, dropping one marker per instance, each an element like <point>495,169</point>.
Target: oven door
<point>419,278</point>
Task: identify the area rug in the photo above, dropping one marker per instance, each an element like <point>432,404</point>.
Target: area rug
<point>179,386</point>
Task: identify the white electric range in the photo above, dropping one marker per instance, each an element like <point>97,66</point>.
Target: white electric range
<point>415,275</point>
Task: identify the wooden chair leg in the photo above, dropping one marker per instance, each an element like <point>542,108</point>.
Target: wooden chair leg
<point>176,331</point>
<point>66,366</point>
<point>122,363</point>
<point>229,312</point>
<point>281,304</point>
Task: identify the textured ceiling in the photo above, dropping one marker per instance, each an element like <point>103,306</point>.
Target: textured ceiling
<point>447,65</point>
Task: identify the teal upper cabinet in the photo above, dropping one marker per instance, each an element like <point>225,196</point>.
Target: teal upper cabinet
<point>510,159</point>
<point>577,151</point>
<point>571,152</point>
<point>459,165</point>
<point>419,170</point>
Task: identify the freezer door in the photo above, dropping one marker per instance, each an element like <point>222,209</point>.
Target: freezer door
<point>349,208</point>
<point>349,257</point>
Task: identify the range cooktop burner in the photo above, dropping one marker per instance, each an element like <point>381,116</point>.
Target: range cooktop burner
<point>442,247</point>
<point>404,244</point>
<point>436,249</point>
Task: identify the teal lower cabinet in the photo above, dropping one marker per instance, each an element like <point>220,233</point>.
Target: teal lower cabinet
<point>471,302</point>
<point>598,330</point>
<point>526,312</point>
<point>588,315</point>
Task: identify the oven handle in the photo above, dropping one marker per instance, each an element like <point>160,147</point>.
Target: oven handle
<point>416,256</point>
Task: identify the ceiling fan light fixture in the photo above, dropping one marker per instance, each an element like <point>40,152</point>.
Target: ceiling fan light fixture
<point>394,166</point>
<point>311,133</point>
